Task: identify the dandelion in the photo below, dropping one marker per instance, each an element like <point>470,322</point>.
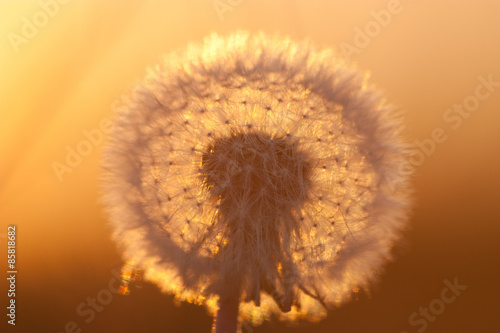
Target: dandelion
<point>250,174</point>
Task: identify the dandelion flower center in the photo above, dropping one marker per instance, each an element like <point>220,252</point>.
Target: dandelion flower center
<point>270,174</point>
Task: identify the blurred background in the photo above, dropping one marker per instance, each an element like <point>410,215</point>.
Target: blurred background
<point>63,63</point>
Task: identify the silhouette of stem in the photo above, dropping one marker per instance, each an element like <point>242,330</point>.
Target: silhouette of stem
<point>226,319</point>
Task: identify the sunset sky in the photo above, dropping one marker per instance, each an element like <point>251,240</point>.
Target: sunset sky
<point>63,64</point>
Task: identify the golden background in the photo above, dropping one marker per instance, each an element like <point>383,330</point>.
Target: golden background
<point>63,79</point>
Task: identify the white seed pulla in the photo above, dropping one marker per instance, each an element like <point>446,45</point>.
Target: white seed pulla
<point>259,165</point>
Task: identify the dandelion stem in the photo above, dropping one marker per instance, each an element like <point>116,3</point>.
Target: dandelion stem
<point>226,319</point>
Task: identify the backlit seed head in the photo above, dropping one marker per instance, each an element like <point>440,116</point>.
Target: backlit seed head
<point>257,165</point>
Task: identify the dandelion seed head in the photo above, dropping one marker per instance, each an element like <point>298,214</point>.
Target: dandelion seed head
<point>258,162</point>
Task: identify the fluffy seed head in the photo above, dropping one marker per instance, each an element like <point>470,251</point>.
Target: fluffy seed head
<point>259,165</point>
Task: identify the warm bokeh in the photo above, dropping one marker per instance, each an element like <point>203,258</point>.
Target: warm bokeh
<point>59,80</point>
